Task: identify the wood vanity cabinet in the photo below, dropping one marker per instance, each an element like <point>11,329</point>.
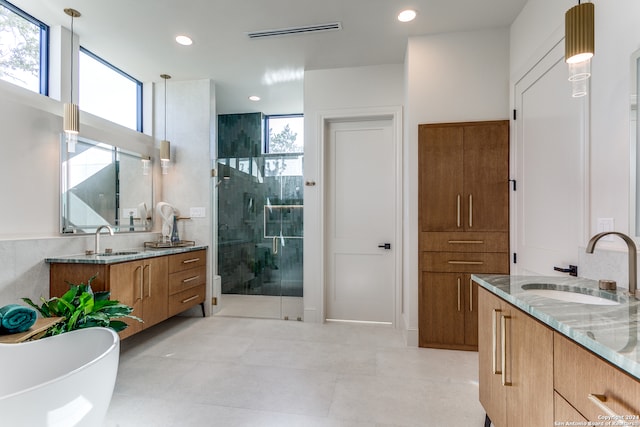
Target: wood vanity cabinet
<point>464,223</point>
<point>156,288</point>
<point>515,358</point>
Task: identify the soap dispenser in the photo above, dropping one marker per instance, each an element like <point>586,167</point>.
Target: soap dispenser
<point>175,238</point>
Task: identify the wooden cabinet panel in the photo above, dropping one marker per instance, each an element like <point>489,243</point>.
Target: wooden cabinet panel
<point>564,412</point>
<point>186,279</point>
<point>579,373</point>
<point>465,262</point>
<point>460,241</point>
<point>486,176</point>
<point>155,290</point>
<point>516,365</point>
<point>126,284</point>
<point>187,260</point>
<point>441,166</point>
<point>186,299</point>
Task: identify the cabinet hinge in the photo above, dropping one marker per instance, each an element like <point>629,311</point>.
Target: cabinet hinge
<point>515,258</point>
<point>514,183</point>
<point>514,114</point>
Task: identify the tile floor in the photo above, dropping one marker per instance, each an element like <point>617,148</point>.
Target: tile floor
<point>224,371</point>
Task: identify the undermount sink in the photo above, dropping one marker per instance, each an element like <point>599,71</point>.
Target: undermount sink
<point>119,253</point>
<point>567,294</point>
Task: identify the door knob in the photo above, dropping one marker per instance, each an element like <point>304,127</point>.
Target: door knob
<point>385,246</point>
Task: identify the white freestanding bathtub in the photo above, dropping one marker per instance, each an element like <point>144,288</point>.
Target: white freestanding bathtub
<point>62,381</point>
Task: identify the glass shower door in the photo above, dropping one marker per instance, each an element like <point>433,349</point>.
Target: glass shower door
<point>260,205</point>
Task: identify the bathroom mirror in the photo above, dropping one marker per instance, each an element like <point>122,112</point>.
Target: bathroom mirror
<point>102,184</point>
<point>634,152</point>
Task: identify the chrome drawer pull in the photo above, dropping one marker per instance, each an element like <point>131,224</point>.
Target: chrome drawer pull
<point>190,299</point>
<point>466,262</point>
<point>189,261</point>
<point>466,242</point>
<point>599,400</point>
<point>190,279</point>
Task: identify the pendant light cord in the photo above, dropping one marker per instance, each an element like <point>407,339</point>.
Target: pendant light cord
<point>71,53</point>
<point>165,108</point>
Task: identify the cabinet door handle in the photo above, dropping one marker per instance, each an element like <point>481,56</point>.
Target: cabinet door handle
<point>274,245</point>
<point>470,210</point>
<point>189,261</point>
<point>503,326</point>
<point>599,400</point>
<point>470,294</point>
<point>494,341</point>
<point>458,210</point>
<point>184,301</point>
<point>191,279</point>
<point>465,242</point>
<point>140,279</point>
<point>465,262</point>
<point>148,267</point>
<point>458,294</point>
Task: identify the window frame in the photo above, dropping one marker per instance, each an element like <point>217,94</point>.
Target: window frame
<point>267,117</point>
<point>138,83</point>
<point>44,44</point>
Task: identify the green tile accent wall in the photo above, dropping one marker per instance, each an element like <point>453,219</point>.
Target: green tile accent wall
<point>240,135</point>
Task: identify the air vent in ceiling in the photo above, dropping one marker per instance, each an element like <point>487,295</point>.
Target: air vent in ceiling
<point>332,26</point>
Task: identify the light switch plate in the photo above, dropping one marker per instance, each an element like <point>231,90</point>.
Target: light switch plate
<point>197,212</point>
<point>606,224</point>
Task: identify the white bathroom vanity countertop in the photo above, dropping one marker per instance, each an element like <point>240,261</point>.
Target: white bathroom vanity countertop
<point>122,255</point>
<point>610,331</point>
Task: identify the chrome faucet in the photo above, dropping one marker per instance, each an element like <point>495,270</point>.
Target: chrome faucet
<point>631,247</point>
<point>97,248</point>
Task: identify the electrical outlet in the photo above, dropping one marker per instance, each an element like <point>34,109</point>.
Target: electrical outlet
<point>197,212</point>
<point>127,212</point>
<point>606,224</point>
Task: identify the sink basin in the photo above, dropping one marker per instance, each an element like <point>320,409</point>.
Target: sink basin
<point>567,294</point>
<point>118,253</point>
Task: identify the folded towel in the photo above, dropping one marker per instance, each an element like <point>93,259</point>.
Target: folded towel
<point>16,318</point>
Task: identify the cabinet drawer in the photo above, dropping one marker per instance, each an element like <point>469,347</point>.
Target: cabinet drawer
<point>187,260</point>
<point>464,242</point>
<point>579,373</point>
<point>186,279</point>
<point>464,262</point>
<point>186,299</point>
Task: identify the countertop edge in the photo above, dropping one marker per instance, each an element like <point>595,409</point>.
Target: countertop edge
<point>610,355</point>
<point>114,259</point>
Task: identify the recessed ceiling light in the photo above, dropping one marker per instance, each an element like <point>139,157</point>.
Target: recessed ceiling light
<point>407,15</point>
<point>254,98</point>
<point>184,40</point>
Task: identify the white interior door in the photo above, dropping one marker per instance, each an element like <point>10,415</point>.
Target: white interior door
<point>360,212</point>
<point>550,163</point>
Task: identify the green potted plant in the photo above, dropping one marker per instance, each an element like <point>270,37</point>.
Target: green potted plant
<point>80,308</point>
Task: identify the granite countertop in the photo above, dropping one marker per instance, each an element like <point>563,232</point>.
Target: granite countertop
<point>121,255</point>
<point>610,331</point>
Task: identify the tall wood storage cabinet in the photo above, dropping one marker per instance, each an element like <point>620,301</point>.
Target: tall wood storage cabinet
<point>464,225</point>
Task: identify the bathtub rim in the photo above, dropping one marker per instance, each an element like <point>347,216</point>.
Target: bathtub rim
<point>114,345</point>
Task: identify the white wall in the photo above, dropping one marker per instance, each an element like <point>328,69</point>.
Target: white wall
<point>449,78</point>
<point>191,124</point>
<point>537,28</point>
<point>328,91</point>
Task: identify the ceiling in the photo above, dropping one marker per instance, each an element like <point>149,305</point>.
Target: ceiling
<point>138,37</point>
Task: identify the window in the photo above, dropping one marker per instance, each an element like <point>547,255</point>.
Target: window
<point>24,44</point>
<point>284,134</point>
<point>109,92</point>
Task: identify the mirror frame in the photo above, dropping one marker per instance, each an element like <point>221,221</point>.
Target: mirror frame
<point>634,143</point>
<point>120,226</point>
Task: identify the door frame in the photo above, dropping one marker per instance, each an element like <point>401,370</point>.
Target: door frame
<point>393,113</point>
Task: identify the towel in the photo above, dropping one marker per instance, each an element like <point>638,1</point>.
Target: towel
<point>16,318</point>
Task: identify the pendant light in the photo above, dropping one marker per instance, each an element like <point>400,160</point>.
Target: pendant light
<point>165,146</point>
<point>71,121</point>
<point>579,44</point>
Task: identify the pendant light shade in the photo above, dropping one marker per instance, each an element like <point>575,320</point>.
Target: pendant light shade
<point>165,146</point>
<point>71,118</point>
<point>579,46</point>
<point>579,41</point>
